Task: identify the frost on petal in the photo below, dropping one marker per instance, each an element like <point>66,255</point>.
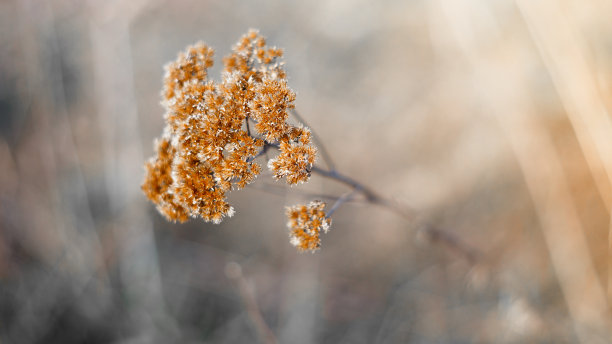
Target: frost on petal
<point>207,149</point>
<point>294,162</point>
<point>305,224</point>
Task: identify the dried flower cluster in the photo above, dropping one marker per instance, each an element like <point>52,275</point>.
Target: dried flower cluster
<point>215,131</point>
<point>306,223</point>
<point>208,146</point>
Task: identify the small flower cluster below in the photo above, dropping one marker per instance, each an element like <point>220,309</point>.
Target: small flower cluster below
<point>306,223</point>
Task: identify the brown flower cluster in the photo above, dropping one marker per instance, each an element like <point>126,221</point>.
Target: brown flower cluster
<point>306,223</point>
<point>215,130</point>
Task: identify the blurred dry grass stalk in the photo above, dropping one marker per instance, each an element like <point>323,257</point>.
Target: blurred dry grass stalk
<point>491,119</point>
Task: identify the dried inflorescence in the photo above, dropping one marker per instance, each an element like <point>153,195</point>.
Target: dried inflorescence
<point>215,130</point>
<point>295,158</point>
<point>306,223</point>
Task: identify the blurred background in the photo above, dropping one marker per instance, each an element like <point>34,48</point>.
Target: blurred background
<point>489,119</point>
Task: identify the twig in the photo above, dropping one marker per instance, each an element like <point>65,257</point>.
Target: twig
<point>248,127</point>
<point>281,190</point>
<point>433,234</point>
<point>370,195</point>
<point>343,199</point>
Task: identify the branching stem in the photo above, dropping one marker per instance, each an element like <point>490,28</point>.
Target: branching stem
<point>431,233</point>
<point>343,199</point>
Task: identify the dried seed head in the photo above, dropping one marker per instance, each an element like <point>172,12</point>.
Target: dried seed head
<point>207,148</point>
<point>305,223</point>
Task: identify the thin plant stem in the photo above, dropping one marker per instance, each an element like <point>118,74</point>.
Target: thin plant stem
<point>431,233</point>
<point>370,195</point>
<point>343,199</point>
<point>248,127</point>
<point>276,189</point>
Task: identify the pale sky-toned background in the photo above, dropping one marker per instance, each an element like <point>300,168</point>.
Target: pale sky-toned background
<point>489,119</point>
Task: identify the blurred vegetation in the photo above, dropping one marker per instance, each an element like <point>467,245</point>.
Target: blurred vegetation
<point>489,118</point>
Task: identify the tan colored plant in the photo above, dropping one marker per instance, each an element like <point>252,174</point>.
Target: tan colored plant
<point>215,132</point>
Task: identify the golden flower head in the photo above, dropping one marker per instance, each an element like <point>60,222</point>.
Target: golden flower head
<point>208,147</point>
<point>306,223</point>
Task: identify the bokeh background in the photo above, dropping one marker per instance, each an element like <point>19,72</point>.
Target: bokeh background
<point>488,119</point>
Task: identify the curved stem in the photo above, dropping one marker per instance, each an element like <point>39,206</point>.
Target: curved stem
<point>282,190</point>
<point>432,233</point>
<point>343,199</point>
<point>370,195</point>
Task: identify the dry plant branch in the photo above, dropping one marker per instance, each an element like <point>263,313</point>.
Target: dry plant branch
<point>210,148</point>
<point>431,233</point>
